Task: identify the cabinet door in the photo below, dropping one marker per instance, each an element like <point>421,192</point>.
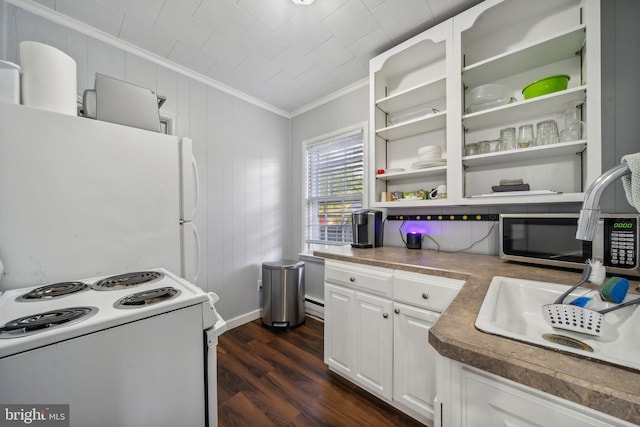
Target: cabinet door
<point>338,329</point>
<point>414,384</point>
<point>374,344</point>
<point>479,399</point>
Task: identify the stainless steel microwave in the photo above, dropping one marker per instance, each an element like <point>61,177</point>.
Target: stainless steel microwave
<point>550,239</point>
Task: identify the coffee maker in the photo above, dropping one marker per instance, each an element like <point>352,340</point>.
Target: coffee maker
<point>367,228</point>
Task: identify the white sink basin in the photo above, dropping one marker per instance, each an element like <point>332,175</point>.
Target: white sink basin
<point>512,308</point>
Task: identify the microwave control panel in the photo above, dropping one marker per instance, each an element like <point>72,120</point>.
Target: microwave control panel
<point>621,242</point>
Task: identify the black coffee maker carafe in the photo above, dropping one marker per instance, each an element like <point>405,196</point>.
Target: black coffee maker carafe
<point>367,228</point>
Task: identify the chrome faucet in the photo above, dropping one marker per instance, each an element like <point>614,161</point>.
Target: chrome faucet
<point>590,212</point>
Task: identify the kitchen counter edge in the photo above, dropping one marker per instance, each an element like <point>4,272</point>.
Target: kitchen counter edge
<point>605,388</point>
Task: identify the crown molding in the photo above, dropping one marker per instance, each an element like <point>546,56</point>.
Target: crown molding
<point>73,24</point>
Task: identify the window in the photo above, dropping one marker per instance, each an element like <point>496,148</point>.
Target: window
<point>334,187</point>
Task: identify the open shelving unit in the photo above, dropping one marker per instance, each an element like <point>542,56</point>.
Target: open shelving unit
<point>506,42</point>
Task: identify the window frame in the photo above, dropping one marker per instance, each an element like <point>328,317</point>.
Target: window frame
<point>362,127</point>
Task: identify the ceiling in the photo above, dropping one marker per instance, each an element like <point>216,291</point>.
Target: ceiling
<point>282,54</point>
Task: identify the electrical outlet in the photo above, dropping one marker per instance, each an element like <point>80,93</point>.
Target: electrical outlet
<point>259,285</point>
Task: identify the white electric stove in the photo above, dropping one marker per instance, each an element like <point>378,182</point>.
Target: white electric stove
<point>124,350</point>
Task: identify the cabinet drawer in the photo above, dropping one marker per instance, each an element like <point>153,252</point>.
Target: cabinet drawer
<point>426,291</point>
<point>374,280</point>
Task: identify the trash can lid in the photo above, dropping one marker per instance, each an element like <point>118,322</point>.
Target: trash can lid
<point>283,264</point>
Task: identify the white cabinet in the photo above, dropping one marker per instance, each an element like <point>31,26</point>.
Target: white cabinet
<point>376,331</point>
<point>474,398</point>
<point>338,338</point>
<point>510,43</point>
<point>418,301</point>
<point>358,335</point>
<point>410,89</point>
<point>414,360</point>
<point>373,337</point>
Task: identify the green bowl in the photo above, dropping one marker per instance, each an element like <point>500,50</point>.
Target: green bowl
<point>545,86</point>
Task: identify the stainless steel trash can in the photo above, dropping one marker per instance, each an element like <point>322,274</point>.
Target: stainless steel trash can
<point>283,294</point>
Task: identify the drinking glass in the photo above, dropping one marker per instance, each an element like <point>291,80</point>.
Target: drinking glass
<point>508,139</point>
<point>525,136</point>
<point>547,132</point>
<point>471,149</point>
<point>483,147</point>
<point>574,128</point>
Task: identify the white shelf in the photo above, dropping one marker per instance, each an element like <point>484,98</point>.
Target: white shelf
<point>519,111</point>
<point>420,94</point>
<point>413,173</point>
<point>531,153</point>
<point>417,126</point>
<point>524,199</point>
<point>552,49</point>
<point>408,203</point>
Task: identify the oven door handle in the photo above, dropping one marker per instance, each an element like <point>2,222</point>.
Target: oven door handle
<point>219,324</point>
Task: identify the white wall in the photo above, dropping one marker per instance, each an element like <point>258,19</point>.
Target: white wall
<point>242,152</point>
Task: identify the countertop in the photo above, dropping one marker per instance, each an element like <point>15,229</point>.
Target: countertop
<point>603,387</point>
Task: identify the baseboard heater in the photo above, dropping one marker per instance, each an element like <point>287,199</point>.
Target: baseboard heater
<point>314,308</point>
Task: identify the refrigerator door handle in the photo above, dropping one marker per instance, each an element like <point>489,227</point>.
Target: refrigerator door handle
<point>190,240</point>
<point>197,270</point>
<point>189,181</point>
<point>196,182</point>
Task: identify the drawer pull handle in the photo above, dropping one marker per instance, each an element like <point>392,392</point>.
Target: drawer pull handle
<point>352,279</point>
<point>425,295</point>
<point>385,315</point>
<point>397,311</point>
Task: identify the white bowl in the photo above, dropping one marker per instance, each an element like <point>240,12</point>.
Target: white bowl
<point>429,149</point>
<point>430,156</point>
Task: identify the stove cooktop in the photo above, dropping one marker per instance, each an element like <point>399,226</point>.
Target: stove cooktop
<point>39,322</point>
<point>127,280</point>
<point>54,290</point>
<point>43,315</point>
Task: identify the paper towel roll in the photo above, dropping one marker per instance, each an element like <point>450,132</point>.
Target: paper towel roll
<point>48,78</point>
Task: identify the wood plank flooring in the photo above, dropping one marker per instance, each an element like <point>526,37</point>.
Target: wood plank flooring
<point>268,378</point>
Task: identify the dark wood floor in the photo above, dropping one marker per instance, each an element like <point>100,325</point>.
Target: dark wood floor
<point>270,378</point>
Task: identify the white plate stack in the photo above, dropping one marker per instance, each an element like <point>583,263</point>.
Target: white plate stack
<point>430,156</point>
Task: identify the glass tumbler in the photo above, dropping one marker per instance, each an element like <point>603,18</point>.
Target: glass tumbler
<point>525,136</point>
<point>547,133</point>
<point>508,139</point>
<point>483,147</point>
<point>471,149</point>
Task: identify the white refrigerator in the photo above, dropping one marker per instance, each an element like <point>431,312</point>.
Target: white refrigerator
<point>85,198</point>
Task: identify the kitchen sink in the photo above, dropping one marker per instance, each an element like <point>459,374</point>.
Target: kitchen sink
<point>512,308</point>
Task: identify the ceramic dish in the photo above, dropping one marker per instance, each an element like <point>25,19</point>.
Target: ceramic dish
<point>428,149</point>
<point>428,164</point>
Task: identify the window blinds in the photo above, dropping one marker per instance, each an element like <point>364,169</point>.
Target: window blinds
<point>335,186</point>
